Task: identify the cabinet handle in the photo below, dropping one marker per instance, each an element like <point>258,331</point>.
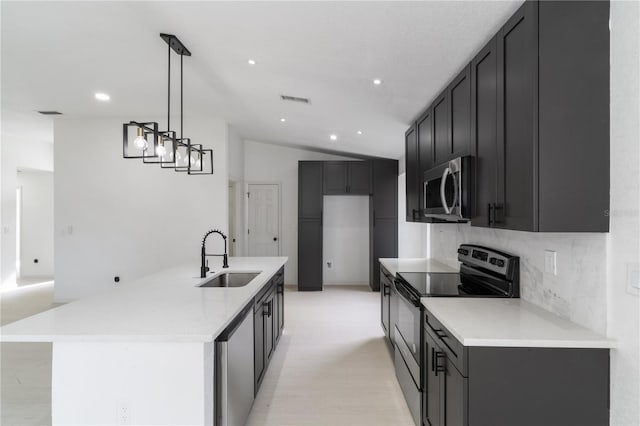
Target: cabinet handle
<point>440,333</point>
<point>374,218</point>
<point>280,289</point>
<point>433,358</point>
<point>489,208</point>
<point>386,290</point>
<point>440,368</point>
<point>496,207</point>
<point>267,313</point>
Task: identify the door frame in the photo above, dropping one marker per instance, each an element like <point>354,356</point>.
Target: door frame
<point>246,211</point>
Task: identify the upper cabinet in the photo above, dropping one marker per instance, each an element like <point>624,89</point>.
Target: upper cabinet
<point>347,177</point>
<point>413,176</point>
<point>533,108</point>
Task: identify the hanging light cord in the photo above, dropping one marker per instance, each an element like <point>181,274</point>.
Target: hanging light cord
<point>168,87</point>
<point>181,96</point>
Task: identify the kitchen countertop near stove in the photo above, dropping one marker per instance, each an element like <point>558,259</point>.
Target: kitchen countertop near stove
<point>395,265</point>
<point>509,323</point>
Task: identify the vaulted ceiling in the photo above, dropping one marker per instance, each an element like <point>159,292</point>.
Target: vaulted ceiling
<point>56,55</point>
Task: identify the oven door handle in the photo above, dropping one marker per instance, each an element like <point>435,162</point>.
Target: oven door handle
<point>443,183</point>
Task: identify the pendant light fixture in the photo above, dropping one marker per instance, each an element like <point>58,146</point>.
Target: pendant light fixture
<point>164,147</point>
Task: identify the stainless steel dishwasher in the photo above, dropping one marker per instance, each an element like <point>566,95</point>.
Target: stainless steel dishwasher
<point>234,371</point>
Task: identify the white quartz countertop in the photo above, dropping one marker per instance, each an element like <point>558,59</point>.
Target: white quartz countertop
<point>166,306</point>
<point>509,323</point>
<point>417,265</point>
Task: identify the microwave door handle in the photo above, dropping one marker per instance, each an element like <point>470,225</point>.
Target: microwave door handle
<point>443,183</point>
<point>456,193</point>
<point>424,198</point>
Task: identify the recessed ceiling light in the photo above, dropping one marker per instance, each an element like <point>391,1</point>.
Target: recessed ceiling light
<point>251,62</point>
<point>377,81</point>
<point>283,120</point>
<point>359,132</point>
<point>333,137</point>
<point>102,96</point>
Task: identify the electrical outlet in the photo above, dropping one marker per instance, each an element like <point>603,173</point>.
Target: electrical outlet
<point>329,265</point>
<point>124,413</point>
<point>551,262</point>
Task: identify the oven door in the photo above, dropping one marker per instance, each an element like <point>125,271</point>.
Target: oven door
<point>408,321</point>
<point>447,189</point>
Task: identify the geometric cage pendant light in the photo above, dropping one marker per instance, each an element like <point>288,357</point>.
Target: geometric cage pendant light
<point>144,140</point>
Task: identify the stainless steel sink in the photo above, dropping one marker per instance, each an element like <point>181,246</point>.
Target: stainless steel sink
<point>230,279</point>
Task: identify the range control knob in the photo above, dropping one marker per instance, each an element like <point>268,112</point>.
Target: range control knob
<point>500,262</point>
<point>493,261</point>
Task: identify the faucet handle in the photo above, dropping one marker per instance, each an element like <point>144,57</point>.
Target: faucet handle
<point>207,267</point>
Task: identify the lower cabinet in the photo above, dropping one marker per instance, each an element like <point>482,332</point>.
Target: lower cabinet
<point>505,386</point>
<point>268,321</point>
<point>385,302</point>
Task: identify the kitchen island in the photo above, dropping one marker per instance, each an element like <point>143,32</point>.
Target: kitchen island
<point>142,352</point>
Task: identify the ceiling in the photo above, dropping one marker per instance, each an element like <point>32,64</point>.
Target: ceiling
<point>56,55</point>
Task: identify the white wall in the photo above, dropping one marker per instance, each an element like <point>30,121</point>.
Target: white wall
<point>623,242</point>
<point>273,163</point>
<point>18,152</point>
<point>596,272</point>
<point>36,223</point>
<point>345,239</point>
<point>236,174</point>
<point>116,216</point>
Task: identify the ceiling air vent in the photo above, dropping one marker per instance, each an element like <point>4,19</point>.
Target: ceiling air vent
<point>50,112</point>
<point>295,99</point>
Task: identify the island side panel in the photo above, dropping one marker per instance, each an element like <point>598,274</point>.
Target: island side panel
<point>153,383</point>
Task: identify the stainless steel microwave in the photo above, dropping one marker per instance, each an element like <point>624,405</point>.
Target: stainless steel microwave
<point>448,191</point>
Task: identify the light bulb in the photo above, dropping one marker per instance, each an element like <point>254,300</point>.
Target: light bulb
<point>141,142</point>
<point>162,151</point>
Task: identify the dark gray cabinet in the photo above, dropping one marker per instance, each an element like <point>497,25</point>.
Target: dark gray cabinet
<point>459,93</point>
<point>347,178</point>
<point>484,131</point>
<point>441,133</point>
<point>375,178</point>
<point>268,322</point>
<point>511,385</point>
<point>383,217</point>
<point>310,187</point>
<point>425,153</point>
<point>413,177</point>
<point>385,301</point>
<point>536,119</point>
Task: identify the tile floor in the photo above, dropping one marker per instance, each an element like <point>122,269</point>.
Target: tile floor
<point>331,367</point>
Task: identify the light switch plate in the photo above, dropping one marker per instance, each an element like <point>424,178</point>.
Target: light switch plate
<point>551,262</point>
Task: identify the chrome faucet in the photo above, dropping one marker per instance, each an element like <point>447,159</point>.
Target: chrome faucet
<point>204,268</point>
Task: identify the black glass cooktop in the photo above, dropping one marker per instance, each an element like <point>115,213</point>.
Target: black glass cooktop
<point>423,284</point>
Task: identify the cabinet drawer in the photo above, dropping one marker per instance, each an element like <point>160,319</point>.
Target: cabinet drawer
<point>456,352</point>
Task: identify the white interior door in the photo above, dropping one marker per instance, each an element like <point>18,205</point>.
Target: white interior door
<point>264,219</point>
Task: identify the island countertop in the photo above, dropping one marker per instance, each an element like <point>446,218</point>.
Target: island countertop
<point>167,306</point>
<point>508,322</point>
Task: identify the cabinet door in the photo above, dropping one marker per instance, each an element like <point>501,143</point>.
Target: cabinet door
<point>258,347</point>
<point>359,178</point>
<point>310,255</point>
<point>384,234</point>
<point>517,120</point>
<point>484,121</point>
<point>455,396</point>
<point>441,133</point>
<point>385,189</point>
<point>413,180</point>
<point>335,177</point>
<point>280,305</point>
<point>425,142</point>
<point>432,386</point>
<point>268,319</point>
<point>310,190</point>
<point>460,113</point>
<point>385,293</point>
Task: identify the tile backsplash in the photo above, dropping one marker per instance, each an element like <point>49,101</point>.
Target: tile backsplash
<point>579,290</point>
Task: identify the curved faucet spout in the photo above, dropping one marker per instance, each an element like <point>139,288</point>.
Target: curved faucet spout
<point>203,252</point>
